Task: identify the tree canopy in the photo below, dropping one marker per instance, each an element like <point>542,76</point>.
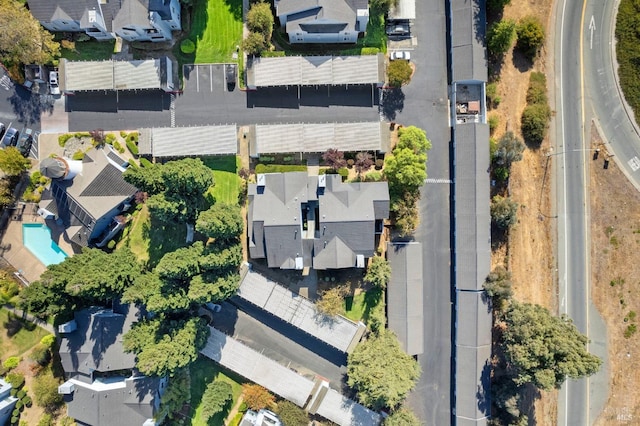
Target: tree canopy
<point>406,169</point>
<point>291,415</point>
<point>530,36</point>
<point>508,151</point>
<point>260,19</point>
<point>544,349</point>
<point>222,222</point>
<point>256,397</point>
<point>500,36</point>
<point>216,396</point>
<point>379,272</point>
<point>363,162</point>
<point>414,138</point>
<point>334,159</point>
<point>402,417</point>
<point>12,162</point>
<point>498,287</point>
<point>399,73</point>
<point>503,212</point>
<point>381,372</point>
<point>22,39</point>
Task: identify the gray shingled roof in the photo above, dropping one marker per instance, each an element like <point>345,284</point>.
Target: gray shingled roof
<point>405,308</point>
<point>467,42</point>
<point>301,11</point>
<point>132,12</point>
<point>96,344</point>
<point>113,75</point>
<point>189,141</point>
<point>474,320</point>
<point>472,384</point>
<point>312,70</point>
<point>50,10</point>
<point>319,137</point>
<point>346,222</point>
<point>472,218</point>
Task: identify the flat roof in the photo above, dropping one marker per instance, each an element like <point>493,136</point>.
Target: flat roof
<point>405,295</point>
<point>315,70</point>
<point>189,141</point>
<point>467,40</point>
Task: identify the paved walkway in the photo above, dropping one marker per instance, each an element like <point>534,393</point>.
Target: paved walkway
<point>30,318</point>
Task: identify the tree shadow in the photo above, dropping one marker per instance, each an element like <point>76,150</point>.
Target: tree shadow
<point>521,61</point>
<point>392,103</point>
<point>14,324</point>
<point>29,106</point>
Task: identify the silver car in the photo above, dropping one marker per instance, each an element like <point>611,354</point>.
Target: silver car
<point>54,87</point>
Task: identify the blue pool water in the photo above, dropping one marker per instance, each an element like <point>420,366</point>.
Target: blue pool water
<point>37,238</point>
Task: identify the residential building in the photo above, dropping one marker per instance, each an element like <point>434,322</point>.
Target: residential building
<point>85,197</point>
<point>103,388</point>
<point>132,20</point>
<point>7,402</point>
<point>323,21</point>
<point>296,221</point>
<point>260,418</point>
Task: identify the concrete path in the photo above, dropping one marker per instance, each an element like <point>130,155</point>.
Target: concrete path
<point>28,317</point>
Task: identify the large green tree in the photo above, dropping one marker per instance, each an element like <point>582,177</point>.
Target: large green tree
<point>508,151</point>
<point>260,19</point>
<point>164,346</point>
<point>530,36</point>
<point>402,417</point>
<point>22,39</point>
<point>544,349</point>
<point>147,179</point>
<point>216,396</point>
<point>291,415</point>
<point>405,169</point>
<point>381,372</point>
<point>12,162</point>
<point>503,212</point>
<point>501,36</point>
<point>399,73</point>
<point>414,138</point>
<point>221,221</point>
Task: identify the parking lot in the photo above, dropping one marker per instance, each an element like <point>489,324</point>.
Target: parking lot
<point>211,78</point>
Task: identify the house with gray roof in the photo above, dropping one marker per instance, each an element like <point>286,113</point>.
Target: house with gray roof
<point>103,388</point>
<point>323,21</point>
<point>132,20</point>
<point>86,196</point>
<point>296,221</point>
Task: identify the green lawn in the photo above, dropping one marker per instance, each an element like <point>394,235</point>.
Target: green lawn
<point>91,50</point>
<point>203,372</point>
<point>362,306</point>
<point>149,247</point>
<point>227,181</point>
<point>18,336</point>
<point>216,29</point>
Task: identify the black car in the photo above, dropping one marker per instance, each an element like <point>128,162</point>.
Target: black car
<point>25,142</point>
<point>2,129</point>
<point>231,71</point>
<point>10,138</point>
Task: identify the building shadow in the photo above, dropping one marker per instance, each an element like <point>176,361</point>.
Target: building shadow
<point>273,97</point>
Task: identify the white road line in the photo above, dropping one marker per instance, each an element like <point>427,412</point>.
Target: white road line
<point>197,79</point>
<point>634,163</point>
<point>210,78</point>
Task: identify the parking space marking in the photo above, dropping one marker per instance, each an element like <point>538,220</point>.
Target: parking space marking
<point>634,163</point>
<point>197,79</point>
<point>211,77</point>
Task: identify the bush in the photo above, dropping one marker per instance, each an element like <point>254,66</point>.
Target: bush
<point>78,155</point>
<point>534,123</point>
<point>254,44</point>
<point>111,244</point>
<point>215,398</point>
<point>48,340</point>
<point>530,36</point>
<point>537,91</point>
<point>11,362</point>
<point>145,163</point>
<point>493,99</point>
<point>493,122</point>
<point>257,397</point>
<point>132,163</point>
<point>118,147</point>
<point>16,380</point>
<point>379,164</point>
<point>45,420</point>
<point>399,73</point>
<point>19,405</point>
<point>41,354</point>
<point>133,148</point>
<point>62,139</point>
<point>133,137</point>
<point>344,172</point>
<point>45,392</point>
<point>21,394</point>
<point>500,37</point>
<point>110,138</point>
<point>503,212</point>
<point>27,401</point>
<point>373,177</point>
<point>369,51</point>
<point>350,163</point>
<point>291,415</point>
<point>123,134</point>
<point>280,168</point>
<point>187,46</point>
<point>273,54</point>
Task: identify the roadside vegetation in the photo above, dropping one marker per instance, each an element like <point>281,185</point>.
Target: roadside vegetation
<point>628,51</point>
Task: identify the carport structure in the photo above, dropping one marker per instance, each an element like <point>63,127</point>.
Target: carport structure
<point>316,71</point>
<point>188,141</point>
<point>318,137</point>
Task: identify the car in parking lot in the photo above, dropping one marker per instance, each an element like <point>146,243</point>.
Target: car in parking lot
<point>10,138</point>
<point>25,143</point>
<point>231,71</point>
<point>400,55</point>
<point>54,87</point>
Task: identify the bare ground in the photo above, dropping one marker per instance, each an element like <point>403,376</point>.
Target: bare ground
<point>529,252</point>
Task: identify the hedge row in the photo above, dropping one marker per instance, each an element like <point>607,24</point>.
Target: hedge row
<point>280,168</point>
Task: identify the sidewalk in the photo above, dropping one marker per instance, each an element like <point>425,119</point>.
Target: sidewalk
<point>30,318</point>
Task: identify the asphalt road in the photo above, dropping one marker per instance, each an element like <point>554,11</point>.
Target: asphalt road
<point>19,106</point>
<point>579,400</point>
<point>424,103</point>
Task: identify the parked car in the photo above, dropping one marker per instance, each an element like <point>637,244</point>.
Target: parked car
<point>231,76</point>
<point>399,54</point>
<point>54,88</point>
<point>398,29</point>
<point>25,143</point>
<point>213,307</point>
<point>2,129</point>
<point>10,138</point>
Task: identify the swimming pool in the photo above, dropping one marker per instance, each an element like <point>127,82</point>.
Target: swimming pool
<point>36,237</point>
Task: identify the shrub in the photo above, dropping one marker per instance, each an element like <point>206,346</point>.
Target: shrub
<point>145,163</point>
<point>78,155</point>
<point>369,51</point>
<point>501,173</point>
<point>331,301</point>
<point>11,362</point>
<point>373,177</point>
<point>254,44</point>
<point>45,420</point>
<point>118,147</point>
<point>292,415</point>
<point>534,123</point>
<point>215,398</point>
<point>110,138</point>
<point>133,148</point>
<point>45,392</point>
<point>530,36</point>
<point>280,168</point>
<point>111,244</point>
<point>379,164</point>
<point>41,354</point>
<point>123,134</point>
<point>68,44</point>
<point>350,163</point>
<point>16,380</point>
<point>503,212</point>
<point>132,163</point>
<point>493,122</point>
<point>48,340</point>
<point>399,73</point>
<point>27,401</point>
<point>187,46</point>
<point>21,394</point>
<point>500,37</point>
<point>344,172</point>
<point>537,91</point>
<point>493,99</point>
<point>19,405</point>
<point>62,139</point>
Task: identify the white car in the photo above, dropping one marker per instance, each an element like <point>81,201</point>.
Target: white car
<point>402,55</point>
<point>54,88</point>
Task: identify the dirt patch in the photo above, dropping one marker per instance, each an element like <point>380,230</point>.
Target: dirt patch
<point>615,284</point>
<point>529,253</point>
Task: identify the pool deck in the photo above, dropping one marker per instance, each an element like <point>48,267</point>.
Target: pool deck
<point>14,252</point>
